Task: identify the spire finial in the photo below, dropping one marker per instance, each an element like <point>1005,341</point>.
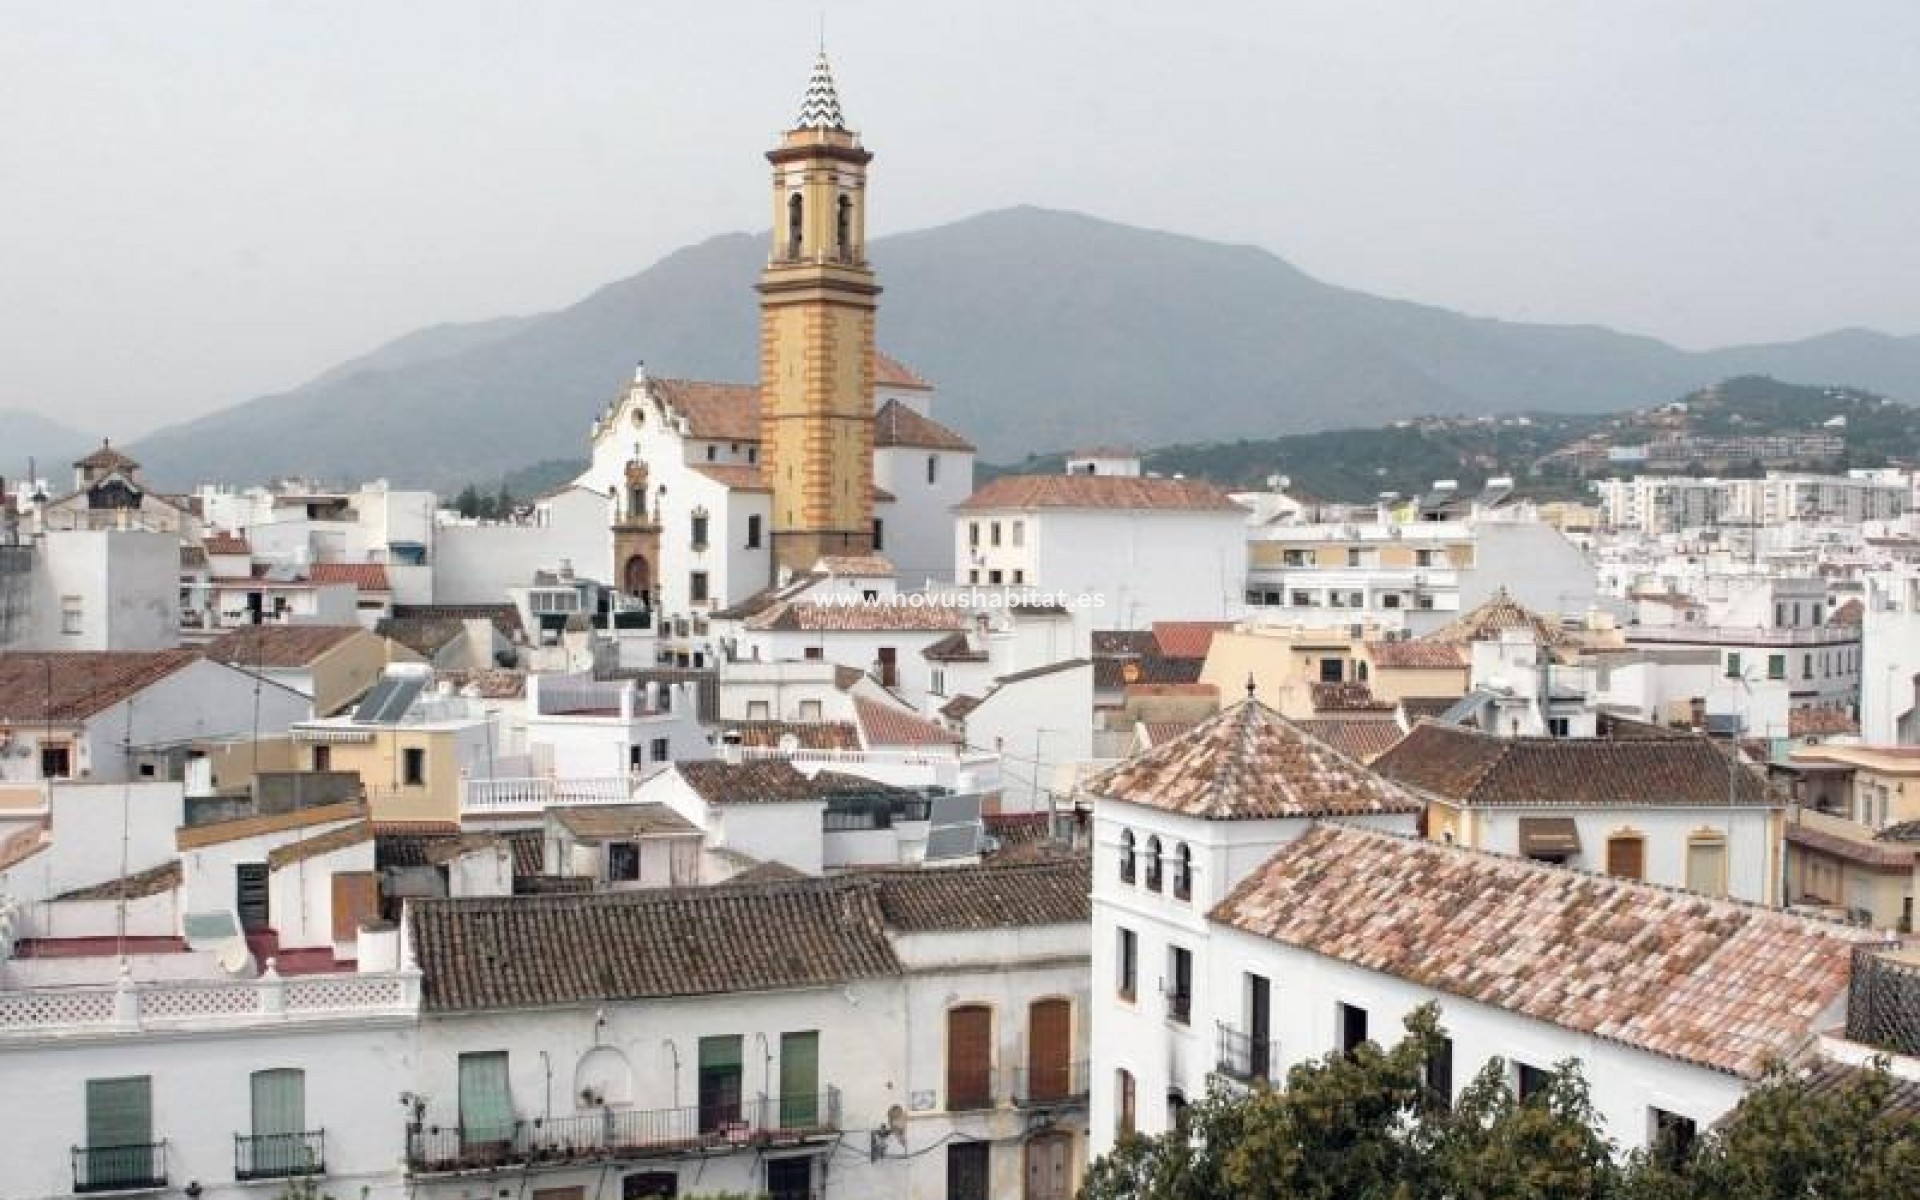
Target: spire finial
<point>821,107</point>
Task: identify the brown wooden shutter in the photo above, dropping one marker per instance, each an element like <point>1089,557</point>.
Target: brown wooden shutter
<point>969,1057</point>
<point>356,900</point>
<point>1627,857</point>
<point>1049,1042</point>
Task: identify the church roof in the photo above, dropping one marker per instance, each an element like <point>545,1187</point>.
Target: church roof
<point>821,107</point>
<point>897,425</point>
<point>890,372</point>
<point>106,458</point>
<point>716,411</point>
<point>1501,612</point>
<point>1099,491</point>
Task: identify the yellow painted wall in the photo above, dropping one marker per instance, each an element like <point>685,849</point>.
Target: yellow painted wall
<point>379,764</point>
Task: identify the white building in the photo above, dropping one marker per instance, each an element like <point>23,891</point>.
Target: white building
<point>90,589</point>
<point>1131,549</point>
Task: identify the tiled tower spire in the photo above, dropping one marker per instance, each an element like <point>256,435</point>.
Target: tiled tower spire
<point>821,108</point>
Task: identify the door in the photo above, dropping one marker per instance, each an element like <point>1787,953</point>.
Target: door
<point>1259,1026</point>
<point>1049,1050</point>
<point>356,901</point>
<point>1049,1167</point>
<point>279,1121</point>
<point>889,667</point>
<point>790,1179</point>
<point>719,1084</point>
<point>1627,857</point>
<point>250,895</point>
<point>119,1133</point>
<point>486,1101</point>
<point>969,1058</point>
<point>967,1164</point>
<point>799,1080</point>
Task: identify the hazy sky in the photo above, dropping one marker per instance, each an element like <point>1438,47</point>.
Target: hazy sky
<point>200,202</point>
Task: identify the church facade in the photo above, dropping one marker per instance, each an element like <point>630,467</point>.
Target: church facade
<point>720,490</point>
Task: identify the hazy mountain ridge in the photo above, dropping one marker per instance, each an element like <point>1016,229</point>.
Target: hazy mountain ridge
<point>27,436</point>
<point>1041,329</point>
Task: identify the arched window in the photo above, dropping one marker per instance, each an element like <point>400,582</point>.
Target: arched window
<point>843,229</point>
<point>1126,856</point>
<point>1183,872</point>
<point>795,214</point>
<point>1153,864</point>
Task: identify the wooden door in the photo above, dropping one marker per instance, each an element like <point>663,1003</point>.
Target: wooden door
<point>969,1057</point>
<point>1627,857</point>
<point>1049,1050</point>
<point>1050,1167</point>
<point>356,901</point>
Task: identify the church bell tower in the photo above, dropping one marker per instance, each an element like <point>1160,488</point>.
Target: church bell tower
<point>817,302</point>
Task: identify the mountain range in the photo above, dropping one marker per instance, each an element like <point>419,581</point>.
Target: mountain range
<point>1042,330</point>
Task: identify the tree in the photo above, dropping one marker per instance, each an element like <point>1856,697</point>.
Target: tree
<point>1494,1146</point>
<point>467,504</point>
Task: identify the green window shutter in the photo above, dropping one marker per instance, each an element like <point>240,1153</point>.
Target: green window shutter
<point>486,1098</point>
<point>119,1112</point>
<point>799,1079</point>
<point>279,1102</point>
<point>720,1053</point>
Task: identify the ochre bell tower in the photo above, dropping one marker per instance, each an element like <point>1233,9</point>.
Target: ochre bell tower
<point>817,301</point>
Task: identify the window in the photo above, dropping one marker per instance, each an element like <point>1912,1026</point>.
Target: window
<point>993,533</point>
<point>279,1146</point>
<point>967,1170</point>
<point>933,468</point>
<point>973,575</point>
<point>757,710</point>
<point>719,1083</point>
<point>623,862</point>
<point>120,1150</point>
<point>250,896</point>
<point>1019,576</point>
<point>71,621</point>
<point>796,222</point>
<point>1179,984</point>
<point>56,762</point>
<point>1733,664</point>
<point>1627,856</point>
<point>1353,558</point>
<point>697,587</point>
<point>1390,600</point>
<point>650,1185</point>
<point>1776,666</point>
<point>413,766</point>
<point>889,664</point>
<point>753,532</point>
<point>1529,1081</point>
<point>1153,864</point>
<point>1128,964</point>
<point>1331,670</point>
<point>1183,872</point>
<point>486,1098</point>
<point>1019,533</point>
<point>1301,599</point>
<point>1127,858</point>
<point>1049,1050</point>
<point>843,228</point>
<point>1672,1137</point>
<point>800,1080</point>
<point>660,750</point>
<point>1558,727</point>
<point>1176,1109</point>
<point>1806,666</point>
<point>993,577</point>
<point>879,534</point>
<point>1437,1073</point>
<point>810,710</point>
<point>1353,1027</point>
<point>323,758</point>
<point>938,682</point>
<point>973,533</point>
<point>1123,1102</point>
<point>969,1058</point>
<point>700,524</point>
<point>813,653</point>
<point>1707,864</point>
<point>713,452</point>
<point>1259,1005</point>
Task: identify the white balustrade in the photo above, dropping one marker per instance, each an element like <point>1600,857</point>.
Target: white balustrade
<point>177,1004</point>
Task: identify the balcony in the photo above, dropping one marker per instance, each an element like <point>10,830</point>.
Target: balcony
<point>625,1133</point>
<point>534,794</point>
<point>134,1168</point>
<point>1055,1085</point>
<point>1244,1060</point>
<point>195,1004</point>
<point>279,1155</point>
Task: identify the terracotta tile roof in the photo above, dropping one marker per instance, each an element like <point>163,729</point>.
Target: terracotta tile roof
<point>106,458</point>
<point>541,951</point>
<point>321,843</point>
<point>1251,763</point>
<point>1416,655</point>
<point>1499,613</point>
<point>280,646</point>
<point>1052,668</point>
<point>1125,641</point>
<point>1435,707</point>
<point>883,725</point>
<point>1117,672</point>
<point>605,822</point>
<point>368,577</point>
<point>882,495</point>
<point>898,615</point>
<point>897,425</point>
<point>807,735</point>
<point>1723,985</point>
<point>491,683</point>
<point>22,844</point>
<point>957,708</point>
<point>889,371</point>
<point>735,478</point>
<point>83,682</point>
<point>1822,1076</point>
<point>1186,639</point>
<point>939,899</point>
<point>1819,722</point>
<point>726,412</point>
<point>151,882</point>
<point>193,837</point>
<point>1098,491</point>
<point>1849,613</point>
<point>759,781</point>
<point>1469,767</point>
<point>1142,691</point>
<point>505,617</point>
<point>955,647</point>
<point>1877,853</point>
<point>1346,697</point>
<point>858,566</point>
<point>1364,740</point>
<point>766,598</point>
<point>1159,733</point>
<point>226,543</point>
